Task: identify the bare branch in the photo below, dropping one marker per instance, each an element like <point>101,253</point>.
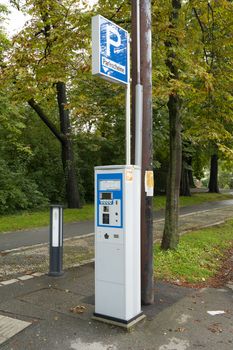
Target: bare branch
<point>203,34</point>
<point>46,121</point>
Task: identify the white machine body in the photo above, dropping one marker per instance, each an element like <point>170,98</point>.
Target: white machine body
<point>117,242</point>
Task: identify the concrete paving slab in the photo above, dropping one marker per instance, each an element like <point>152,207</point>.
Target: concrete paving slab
<point>58,300</point>
<point>6,283</point>
<point>78,285</point>
<point>21,308</point>
<point>25,278</point>
<point>38,274</point>
<point>10,326</point>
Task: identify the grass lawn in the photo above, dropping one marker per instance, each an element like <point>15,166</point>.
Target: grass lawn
<point>198,256</point>
<point>196,198</point>
<point>26,220</point>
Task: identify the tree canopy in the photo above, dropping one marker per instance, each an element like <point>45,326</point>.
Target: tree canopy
<point>54,47</point>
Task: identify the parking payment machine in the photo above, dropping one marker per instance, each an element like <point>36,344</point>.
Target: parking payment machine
<point>117,243</point>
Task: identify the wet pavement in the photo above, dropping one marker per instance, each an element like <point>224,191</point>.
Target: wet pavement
<point>178,320</point>
<point>37,307</point>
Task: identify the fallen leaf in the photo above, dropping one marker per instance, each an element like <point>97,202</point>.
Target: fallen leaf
<point>214,328</point>
<point>181,330</point>
<point>4,253</point>
<point>79,309</point>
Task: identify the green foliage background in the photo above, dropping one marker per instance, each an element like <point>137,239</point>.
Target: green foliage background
<point>31,173</point>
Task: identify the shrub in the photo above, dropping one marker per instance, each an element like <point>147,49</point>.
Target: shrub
<point>17,192</point>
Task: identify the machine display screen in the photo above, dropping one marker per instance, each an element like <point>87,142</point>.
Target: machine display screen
<point>106,195</point>
<point>109,185</point>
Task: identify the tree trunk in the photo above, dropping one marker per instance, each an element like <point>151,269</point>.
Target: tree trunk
<point>184,183</point>
<point>190,174</point>
<point>72,192</point>
<point>213,183</point>
<point>171,235</point>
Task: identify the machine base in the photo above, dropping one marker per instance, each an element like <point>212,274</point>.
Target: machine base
<point>118,322</point>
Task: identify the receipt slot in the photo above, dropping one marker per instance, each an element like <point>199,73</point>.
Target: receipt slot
<point>117,244</point>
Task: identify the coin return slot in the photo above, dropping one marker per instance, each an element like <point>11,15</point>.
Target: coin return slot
<point>116,236</point>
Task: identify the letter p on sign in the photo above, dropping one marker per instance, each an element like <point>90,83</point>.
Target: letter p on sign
<point>112,38</point>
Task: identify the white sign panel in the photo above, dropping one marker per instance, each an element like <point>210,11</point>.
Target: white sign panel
<point>110,50</point>
<point>55,230</point>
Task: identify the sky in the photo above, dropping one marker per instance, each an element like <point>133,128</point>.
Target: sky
<point>16,19</point>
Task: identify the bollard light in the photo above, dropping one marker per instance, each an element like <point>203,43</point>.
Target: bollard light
<point>56,240</point>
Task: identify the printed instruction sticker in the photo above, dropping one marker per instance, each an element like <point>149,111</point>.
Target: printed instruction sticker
<point>149,183</point>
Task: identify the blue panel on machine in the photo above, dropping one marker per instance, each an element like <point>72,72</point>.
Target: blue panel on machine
<point>109,200</point>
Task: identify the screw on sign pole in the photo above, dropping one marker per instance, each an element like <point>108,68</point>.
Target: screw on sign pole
<point>147,281</point>
<point>56,240</point>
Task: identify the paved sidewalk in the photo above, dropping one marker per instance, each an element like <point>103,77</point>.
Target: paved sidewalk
<point>178,320</point>
<point>35,308</point>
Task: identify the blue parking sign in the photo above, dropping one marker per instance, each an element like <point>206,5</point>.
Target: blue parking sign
<point>110,50</point>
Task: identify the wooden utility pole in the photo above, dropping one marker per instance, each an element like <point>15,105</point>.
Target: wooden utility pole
<point>147,285</point>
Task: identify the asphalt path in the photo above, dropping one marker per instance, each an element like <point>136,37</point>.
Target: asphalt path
<point>23,238</point>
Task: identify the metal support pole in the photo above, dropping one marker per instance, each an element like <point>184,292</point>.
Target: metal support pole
<point>56,240</point>
<point>138,95</point>
<point>128,121</point>
<point>128,127</point>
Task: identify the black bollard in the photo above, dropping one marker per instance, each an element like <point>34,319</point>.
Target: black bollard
<point>56,240</point>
